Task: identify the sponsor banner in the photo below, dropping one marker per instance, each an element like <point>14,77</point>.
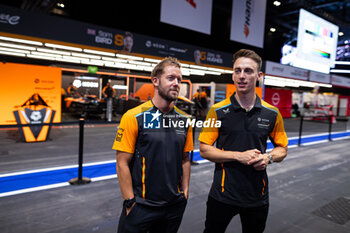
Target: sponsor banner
<point>248,22</point>
<point>282,99</point>
<point>319,77</point>
<point>28,88</point>
<point>276,69</point>
<point>195,15</point>
<point>340,81</point>
<point>24,23</point>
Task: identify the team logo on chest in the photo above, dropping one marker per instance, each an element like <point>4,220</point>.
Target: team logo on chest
<point>263,123</point>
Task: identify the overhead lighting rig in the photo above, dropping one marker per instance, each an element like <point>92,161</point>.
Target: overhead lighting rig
<point>74,54</point>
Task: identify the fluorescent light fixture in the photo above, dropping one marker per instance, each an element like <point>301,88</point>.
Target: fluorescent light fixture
<point>75,58</point>
<point>114,59</point>
<point>340,71</point>
<point>282,82</point>
<point>342,62</point>
<point>67,60</point>
<point>117,65</point>
<point>129,66</point>
<point>106,63</point>
<point>86,78</point>
<point>185,65</point>
<point>129,57</point>
<point>86,55</point>
<point>40,57</point>
<point>228,71</point>
<point>216,69</point>
<point>14,50</point>
<point>16,46</point>
<point>139,63</point>
<point>185,71</point>
<point>120,87</point>
<point>273,83</point>
<point>340,33</point>
<point>152,60</point>
<point>147,68</point>
<point>92,62</point>
<point>197,72</point>
<point>137,68</point>
<point>63,47</point>
<point>112,65</point>
<point>212,72</point>
<point>46,54</point>
<point>272,29</point>
<point>12,53</point>
<point>52,51</point>
<point>21,40</point>
<point>99,52</point>
<point>198,67</point>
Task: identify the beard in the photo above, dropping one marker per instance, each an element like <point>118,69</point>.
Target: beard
<point>165,94</point>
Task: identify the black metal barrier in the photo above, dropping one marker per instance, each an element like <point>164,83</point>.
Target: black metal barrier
<point>80,179</point>
<point>326,119</point>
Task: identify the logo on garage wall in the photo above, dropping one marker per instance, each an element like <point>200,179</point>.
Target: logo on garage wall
<point>34,112</point>
<point>275,98</point>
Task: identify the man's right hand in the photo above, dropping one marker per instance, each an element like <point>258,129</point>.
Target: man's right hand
<point>129,209</point>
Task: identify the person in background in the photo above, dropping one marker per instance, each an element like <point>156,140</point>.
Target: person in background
<point>109,94</point>
<point>153,163</point>
<point>240,183</point>
<point>108,91</point>
<point>72,90</point>
<point>203,98</point>
<point>196,95</point>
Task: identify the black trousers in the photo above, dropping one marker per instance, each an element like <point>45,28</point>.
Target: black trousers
<point>219,215</point>
<point>142,219</point>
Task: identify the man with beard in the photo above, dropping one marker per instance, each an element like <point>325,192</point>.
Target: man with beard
<point>153,165</point>
<point>240,184</point>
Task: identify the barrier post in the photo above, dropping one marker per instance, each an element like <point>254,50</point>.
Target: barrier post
<point>300,129</point>
<point>330,128</point>
<point>80,179</point>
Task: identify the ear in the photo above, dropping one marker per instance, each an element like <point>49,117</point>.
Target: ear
<point>155,81</point>
<point>260,77</point>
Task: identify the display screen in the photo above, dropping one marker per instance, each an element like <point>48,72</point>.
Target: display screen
<point>316,44</point>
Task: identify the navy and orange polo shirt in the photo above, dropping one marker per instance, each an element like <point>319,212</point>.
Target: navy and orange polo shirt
<point>157,143</point>
<point>235,183</point>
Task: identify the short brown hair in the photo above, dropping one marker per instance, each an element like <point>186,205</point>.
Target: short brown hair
<point>159,68</point>
<point>249,54</point>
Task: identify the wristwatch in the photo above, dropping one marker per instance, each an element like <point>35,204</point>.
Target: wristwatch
<point>270,158</point>
<point>129,202</point>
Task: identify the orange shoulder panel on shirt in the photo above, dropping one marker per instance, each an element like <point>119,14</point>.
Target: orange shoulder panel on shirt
<point>127,133</point>
<point>210,134</point>
<point>278,133</point>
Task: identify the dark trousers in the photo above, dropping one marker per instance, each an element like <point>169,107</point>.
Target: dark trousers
<point>141,218</point>
<point>219,215</point>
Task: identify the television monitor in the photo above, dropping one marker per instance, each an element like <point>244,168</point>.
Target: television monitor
<point>316,44</point>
